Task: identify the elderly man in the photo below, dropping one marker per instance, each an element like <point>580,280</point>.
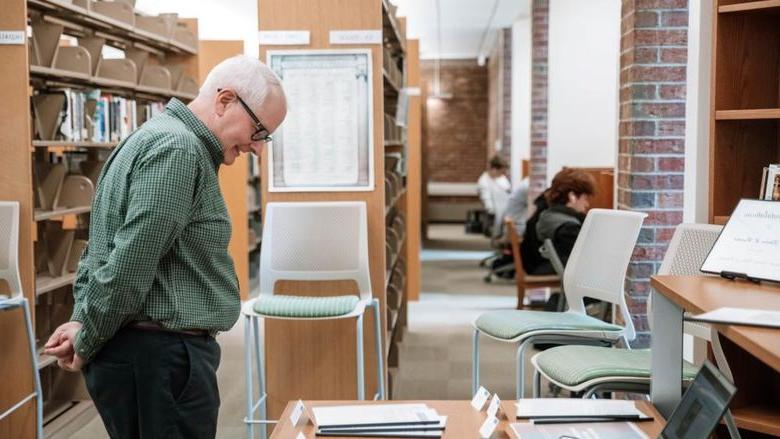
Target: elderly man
<point>156,283</point>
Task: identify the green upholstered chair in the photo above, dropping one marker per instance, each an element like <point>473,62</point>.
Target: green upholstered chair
<point>592,370</point>
<point>310,241</point>
<point>596,268</point>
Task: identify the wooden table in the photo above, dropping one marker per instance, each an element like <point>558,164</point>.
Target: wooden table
<point>462,420</point>
<point>753,353</point>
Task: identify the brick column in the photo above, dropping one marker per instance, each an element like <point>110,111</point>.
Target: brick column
<point>539,42</point>
<point>654,40</point>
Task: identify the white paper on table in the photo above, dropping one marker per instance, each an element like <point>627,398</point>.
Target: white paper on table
<point>440,425</point>
<point>600,430</point>
<point>740,316</point>
<point>565,407</point>
<point>321,145</point>
<point>378,414</point>
<point>749,243</point>
<point>411,433</point>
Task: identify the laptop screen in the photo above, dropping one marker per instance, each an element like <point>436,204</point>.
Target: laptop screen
<point>702,406</point>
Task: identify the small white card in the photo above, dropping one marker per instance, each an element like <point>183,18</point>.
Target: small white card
<point>12,37</point>
<point>488,427</point>
<point>283,37</point>
<point>296,413</point>
<point>356,37</point>
<point>480,398</point>
<point>495,404</point>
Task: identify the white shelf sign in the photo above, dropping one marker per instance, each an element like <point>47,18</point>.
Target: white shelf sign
<point>283,37</point>
<point>356,37</point>
<point>12,37</point>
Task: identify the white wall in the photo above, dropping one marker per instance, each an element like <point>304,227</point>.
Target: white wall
<point>584,62</point>
<point>217,19</point>
<point>521,93</point>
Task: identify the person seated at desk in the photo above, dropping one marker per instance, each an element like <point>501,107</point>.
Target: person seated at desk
<point>569,200</point>
<point>493,183</point>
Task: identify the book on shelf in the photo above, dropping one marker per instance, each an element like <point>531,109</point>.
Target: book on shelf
<point>770,183</point>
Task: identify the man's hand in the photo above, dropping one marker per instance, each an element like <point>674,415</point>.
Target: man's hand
<point>61,345</point>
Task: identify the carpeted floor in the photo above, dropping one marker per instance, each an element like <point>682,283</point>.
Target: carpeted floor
<point>435,356</point>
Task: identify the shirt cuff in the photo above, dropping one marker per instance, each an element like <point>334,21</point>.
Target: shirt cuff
<point>78,313</point>
<point>87,346</point>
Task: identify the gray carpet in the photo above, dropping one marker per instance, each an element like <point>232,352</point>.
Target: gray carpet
<point>435,356</point>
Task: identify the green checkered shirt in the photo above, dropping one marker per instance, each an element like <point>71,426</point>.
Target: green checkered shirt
<point>158,236</point>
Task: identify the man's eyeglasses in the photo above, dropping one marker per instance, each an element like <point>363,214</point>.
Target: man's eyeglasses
<point>261,132</point>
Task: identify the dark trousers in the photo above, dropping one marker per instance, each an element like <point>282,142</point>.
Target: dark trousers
<point>153,384</point>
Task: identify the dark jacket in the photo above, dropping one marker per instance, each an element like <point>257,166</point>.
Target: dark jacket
<point>533,261</point>
<point>562,225</point>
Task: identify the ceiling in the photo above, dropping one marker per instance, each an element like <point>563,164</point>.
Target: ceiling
<point>465,24</point>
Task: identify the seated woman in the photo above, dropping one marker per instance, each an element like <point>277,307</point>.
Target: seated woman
<point>569,200</point>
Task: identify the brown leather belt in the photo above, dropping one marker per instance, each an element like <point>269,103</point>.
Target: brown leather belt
<point>149,325</point>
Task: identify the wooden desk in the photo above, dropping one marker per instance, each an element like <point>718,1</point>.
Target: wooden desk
<point>753,353</point>
<point>462,420</point>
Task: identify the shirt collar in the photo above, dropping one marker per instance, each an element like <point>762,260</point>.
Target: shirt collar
<point>183,113</point>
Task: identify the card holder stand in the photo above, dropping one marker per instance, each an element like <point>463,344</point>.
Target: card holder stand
<point>117,10</point>
<point>49,178</point>
<point>76,191</point>
<point>46,109</point>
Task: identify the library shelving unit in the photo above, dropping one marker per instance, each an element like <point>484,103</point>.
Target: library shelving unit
<point>235,181</point>
<point>315,360</point>
<point>744,138</point>
<point>65,107</point>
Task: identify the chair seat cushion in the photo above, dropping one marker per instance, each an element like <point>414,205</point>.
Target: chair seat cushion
<point>305,307</point>
<point>575,365</point>
<point>508,324</point>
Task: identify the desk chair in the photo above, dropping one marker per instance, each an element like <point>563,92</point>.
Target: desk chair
<point>591,369</point>
<point>596,268</point>
<point>524,281</point>
<point>310,241</point>
<point>9,272</point>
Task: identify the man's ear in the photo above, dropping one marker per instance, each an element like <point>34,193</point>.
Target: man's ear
<point>221,101</point>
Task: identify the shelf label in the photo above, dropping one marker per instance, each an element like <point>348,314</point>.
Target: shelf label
<point>495,403</point>
<point>283,37</point>
<point>480,398</point>
<point>356,37</point>
<point>12,37</point>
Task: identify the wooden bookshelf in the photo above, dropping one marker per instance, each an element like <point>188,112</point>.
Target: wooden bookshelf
<point>744,138</point>
<point>745,111</point>
<point>53,179</point>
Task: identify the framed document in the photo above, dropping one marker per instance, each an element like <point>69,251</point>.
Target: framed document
<point>326,143</point>
<point>749,245</point>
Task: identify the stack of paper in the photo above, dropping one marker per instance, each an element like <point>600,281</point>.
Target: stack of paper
<point>614,430</point>
<point>577,410</point>
<point>380,420</point>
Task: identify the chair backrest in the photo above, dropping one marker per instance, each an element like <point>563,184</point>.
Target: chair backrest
<point>598,262</point>
<point>689,247</point>
<point>9,246</point>
<point>315,241</point>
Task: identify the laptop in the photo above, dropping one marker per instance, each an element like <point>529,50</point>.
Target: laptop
<point>702,406</point>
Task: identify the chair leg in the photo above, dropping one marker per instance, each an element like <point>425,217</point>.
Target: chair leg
<point>475,363</point>
<point>520,386</point>
<point>250,433</point>
<point>537,384</point>
<point>731,425</point>
<point>259,347</point>
<point>36,375</point>
<point>361,391</point>
<point>379,351</point>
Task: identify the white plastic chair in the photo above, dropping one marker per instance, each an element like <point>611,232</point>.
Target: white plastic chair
<point>687,250</point>
<point>9,271</point>
<point>310,241</point>
<point>596,268</point>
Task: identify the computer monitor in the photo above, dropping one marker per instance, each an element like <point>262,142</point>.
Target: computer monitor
<point>702,406</point>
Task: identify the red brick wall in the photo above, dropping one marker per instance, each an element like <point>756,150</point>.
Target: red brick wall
<point>456,128</point>
<point>539,43</point>
<point>652,134</point>
<point>500,96</point>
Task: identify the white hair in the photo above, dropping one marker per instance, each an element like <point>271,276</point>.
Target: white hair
<point>249,77</point>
